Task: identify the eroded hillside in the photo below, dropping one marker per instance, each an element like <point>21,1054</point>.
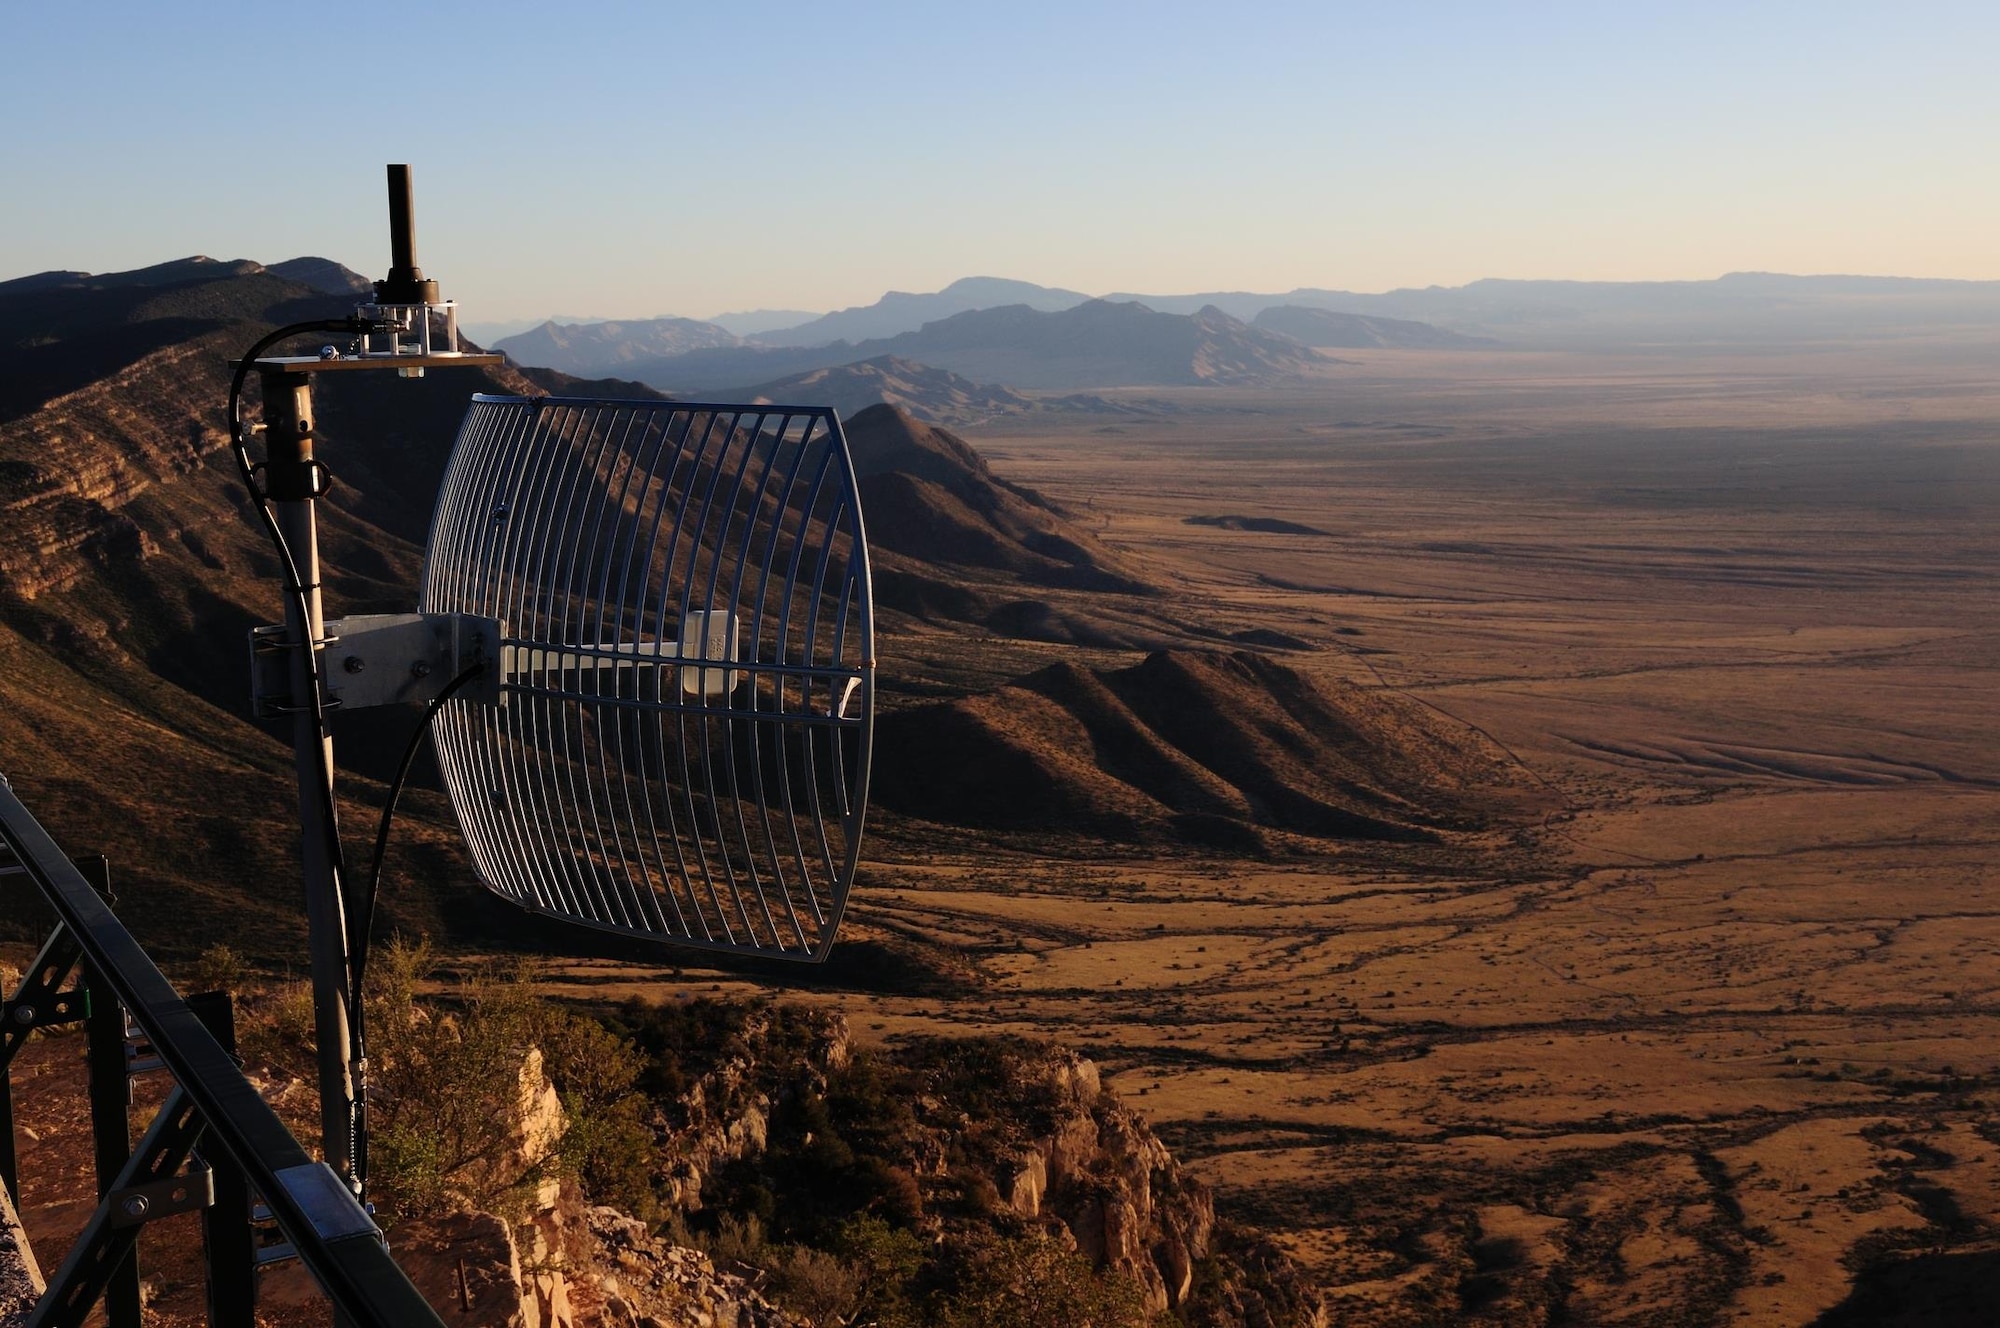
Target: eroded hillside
<point>1208,747</point>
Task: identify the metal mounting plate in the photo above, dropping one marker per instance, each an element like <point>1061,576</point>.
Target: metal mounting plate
<point>380,659</point>
<point>185,1193</point>
<point>65,1007</point>
<point>356,363</point>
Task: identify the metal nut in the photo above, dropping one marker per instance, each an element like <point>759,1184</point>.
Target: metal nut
<point>354,664</point>
<point>136,1206</point>
<point>24,1014</point>
<point>420,669</point>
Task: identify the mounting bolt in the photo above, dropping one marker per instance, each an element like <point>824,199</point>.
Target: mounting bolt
<point>353,664</point>
<point>136,1206</point>
<point>24,1014</point>
<point>420,669</point>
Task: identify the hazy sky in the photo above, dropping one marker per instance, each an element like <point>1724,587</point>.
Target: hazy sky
<point>653,158</point>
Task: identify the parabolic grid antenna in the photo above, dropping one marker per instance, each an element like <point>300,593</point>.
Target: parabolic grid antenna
<point>679,744</point>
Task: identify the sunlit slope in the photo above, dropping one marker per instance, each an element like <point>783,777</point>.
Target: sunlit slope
<point>1205,747</point>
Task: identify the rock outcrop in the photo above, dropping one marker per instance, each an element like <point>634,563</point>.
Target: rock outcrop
<point>20,1279</point>
<point>1117,1191</point>
<point>725,1114</point>
<point>647,1282</point>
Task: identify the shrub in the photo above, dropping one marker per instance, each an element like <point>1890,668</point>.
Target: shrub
<point>887,1260</point>
<point>218,969</point>
<point>738,1240</point>
<point>445,1080</point>
<point>1031,1281</point>
<point>823,1287</point>
<point>816,1284</point>
<point>834,1156</point>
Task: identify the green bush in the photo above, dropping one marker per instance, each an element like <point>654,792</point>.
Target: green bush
<point>820,1286</point>
<point>445,1074</point>
<point>218,969</point>
<point>887,1260</point>
<point>1031,1281</point>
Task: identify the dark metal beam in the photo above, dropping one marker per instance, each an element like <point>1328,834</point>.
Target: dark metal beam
<point>20,1014</point>
<point>110,1240</point>
<point>110,1109</point>
<point>336,1239</point>
<point>228,1240</point>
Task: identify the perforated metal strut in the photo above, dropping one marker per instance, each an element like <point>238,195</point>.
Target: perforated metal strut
<point>681,748</point>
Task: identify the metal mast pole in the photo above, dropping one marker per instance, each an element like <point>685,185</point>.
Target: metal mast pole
<point>293,483</point>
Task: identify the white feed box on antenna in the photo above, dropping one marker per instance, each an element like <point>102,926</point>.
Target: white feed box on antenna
<point>680,748</point>
<point>708,634</point>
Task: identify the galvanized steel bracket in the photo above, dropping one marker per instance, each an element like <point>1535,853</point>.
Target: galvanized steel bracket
<point>379,659</point>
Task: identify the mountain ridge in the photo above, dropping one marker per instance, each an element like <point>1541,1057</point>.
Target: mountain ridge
<point>934,503</point>
<point>1210,748</point>
<point>1091,345</point>
<point>938,396</point>
<point>1553,312</point>
<point>902,311</point>
<point>592,350</point>
<point>1325,329</point>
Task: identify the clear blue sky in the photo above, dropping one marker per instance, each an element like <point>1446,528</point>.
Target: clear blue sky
<point>630,159</point>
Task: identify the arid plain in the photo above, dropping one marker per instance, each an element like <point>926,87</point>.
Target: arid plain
<point>1711,1039</point>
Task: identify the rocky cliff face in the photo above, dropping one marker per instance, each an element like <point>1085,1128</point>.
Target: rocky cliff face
<point>1028,1125</point>
<point>653,1283</point>
<point>1080,1164</point>
<point>1114,1187</point>
<point>724,1115</point>
<point>69,470</point>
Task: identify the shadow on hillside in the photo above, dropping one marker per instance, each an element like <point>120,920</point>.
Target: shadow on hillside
<point>1931,1290</point>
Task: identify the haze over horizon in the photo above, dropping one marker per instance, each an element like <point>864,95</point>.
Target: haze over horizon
<point>1284,146</point>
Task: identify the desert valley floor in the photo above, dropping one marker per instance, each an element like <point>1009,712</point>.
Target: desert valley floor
<point>1706,1041</point>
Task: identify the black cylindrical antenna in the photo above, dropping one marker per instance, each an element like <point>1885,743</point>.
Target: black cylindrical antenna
<point>405,283</point>
<point>402,226</point>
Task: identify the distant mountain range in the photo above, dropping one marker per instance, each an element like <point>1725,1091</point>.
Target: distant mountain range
<point>1325,328</point>
<point>1741,308</point>
<point>1737,309</point>
<point>1092,345</point>
<point>899,311</point>
<point>749,323</point>
<point>936,395</point>
<point>595,349</point>
<point>489,332</point>
<point>753,321</point>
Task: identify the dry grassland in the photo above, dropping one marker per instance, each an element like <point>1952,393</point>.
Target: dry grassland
<point>1714,1043</point>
